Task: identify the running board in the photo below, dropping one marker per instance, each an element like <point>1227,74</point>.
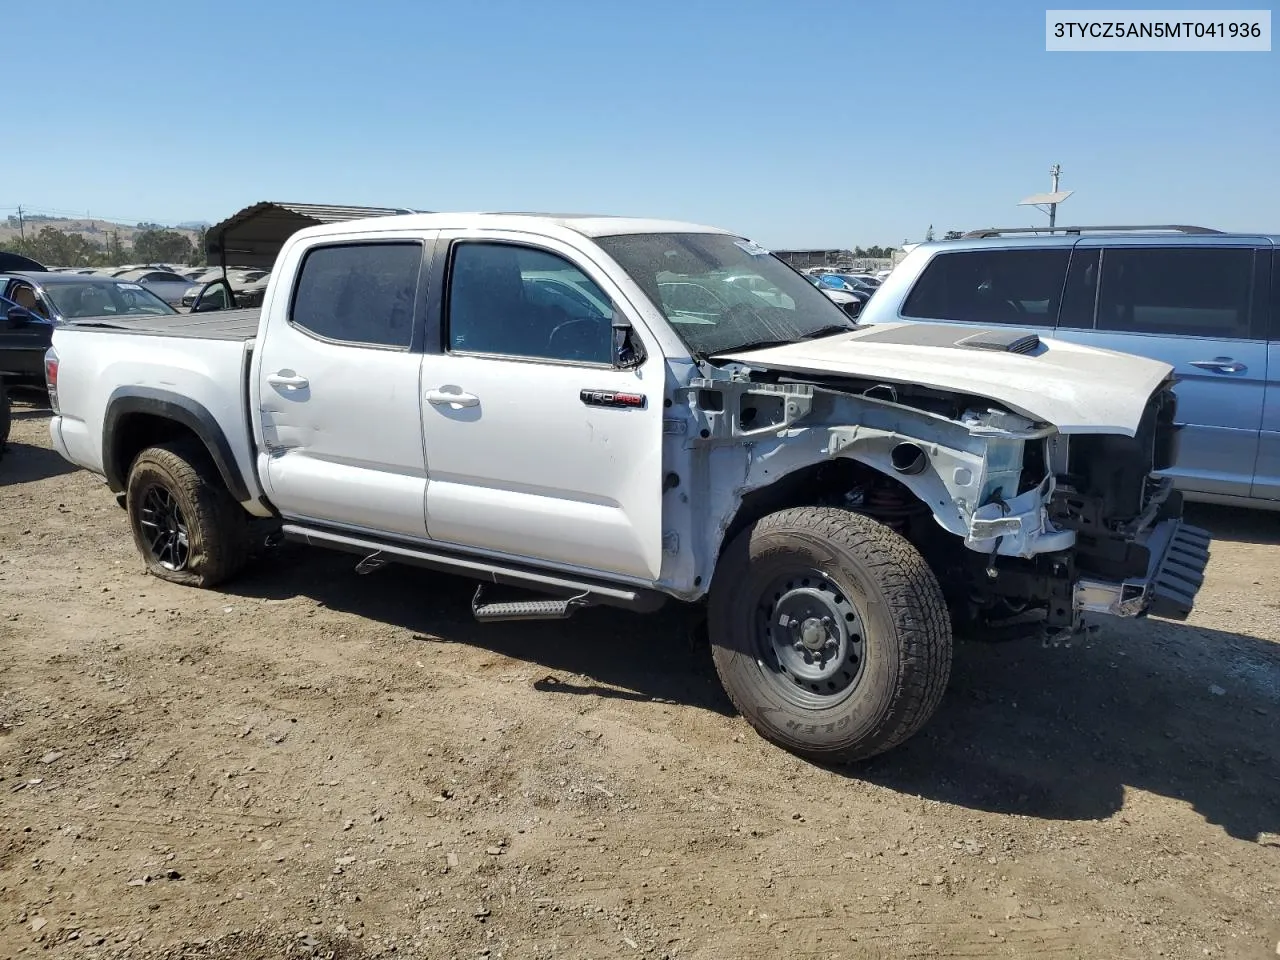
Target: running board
<point>376,553</point>
<point>552,608</point>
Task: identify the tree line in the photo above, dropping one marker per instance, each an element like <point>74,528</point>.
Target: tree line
<point>154,244</point>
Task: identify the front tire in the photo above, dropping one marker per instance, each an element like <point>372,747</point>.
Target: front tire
<point>185,522</point>
<point>829,632</point>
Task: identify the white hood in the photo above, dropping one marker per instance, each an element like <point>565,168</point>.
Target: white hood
<point>1078,389</point>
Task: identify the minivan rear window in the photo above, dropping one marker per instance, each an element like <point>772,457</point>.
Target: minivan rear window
<point>1187,291</point>
<point>1018,287</point>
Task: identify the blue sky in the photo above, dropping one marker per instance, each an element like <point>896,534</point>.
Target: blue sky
<point>797,123</point>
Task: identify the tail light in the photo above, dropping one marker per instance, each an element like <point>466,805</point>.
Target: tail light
<point>51,377</point>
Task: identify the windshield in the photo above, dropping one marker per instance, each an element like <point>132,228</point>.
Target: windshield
<point>722,293</point>
<point>110,298</point>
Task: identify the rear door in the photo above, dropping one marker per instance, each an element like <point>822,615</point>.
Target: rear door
<point>337,385</point>
<point>1266,480</point>
<point>1194,306</point>
<point>538,444</point>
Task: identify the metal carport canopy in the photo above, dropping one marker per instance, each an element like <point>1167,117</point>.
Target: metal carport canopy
<point>254,236</point>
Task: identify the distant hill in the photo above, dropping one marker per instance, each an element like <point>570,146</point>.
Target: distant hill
<point>95,231</point>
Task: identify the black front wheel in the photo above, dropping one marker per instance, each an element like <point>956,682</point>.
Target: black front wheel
<point>185,522</point>
<point>829,632</point>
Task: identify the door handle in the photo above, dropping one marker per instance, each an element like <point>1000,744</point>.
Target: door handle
<point>453,399</point>
<point>290,381</point>
<point>1220,365</point>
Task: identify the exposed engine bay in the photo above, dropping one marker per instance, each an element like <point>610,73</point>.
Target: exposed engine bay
<point>1014,517</point>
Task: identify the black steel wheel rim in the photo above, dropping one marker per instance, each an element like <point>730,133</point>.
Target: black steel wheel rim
<point>810,639</point>
<point>164,528</point>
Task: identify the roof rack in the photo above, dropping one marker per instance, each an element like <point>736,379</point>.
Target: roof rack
<point>1165,228</point>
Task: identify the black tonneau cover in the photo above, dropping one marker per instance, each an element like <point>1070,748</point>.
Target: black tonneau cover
<point>210,325</point>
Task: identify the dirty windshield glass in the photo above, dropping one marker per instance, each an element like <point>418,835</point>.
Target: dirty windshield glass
<point>105,298</point>
<point>721,293</point>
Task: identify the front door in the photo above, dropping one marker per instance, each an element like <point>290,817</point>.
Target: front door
<point>1197,308</point>
<point>23,342</point>
<point>538,445</point>
<point>337,387</point>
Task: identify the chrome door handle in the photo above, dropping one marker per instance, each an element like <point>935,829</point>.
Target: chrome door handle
<point>290,381</point>
<point>1220,365</point>
<point>453,399</point>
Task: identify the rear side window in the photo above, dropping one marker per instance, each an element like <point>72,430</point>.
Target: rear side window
<point>1187,291</point>
<point>360,293</point>
<point>1020,287</point>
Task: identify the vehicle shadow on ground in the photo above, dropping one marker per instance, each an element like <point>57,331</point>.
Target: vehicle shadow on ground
<point>1187,713</point>
<point>23,463</point>
<point>602,652</point>
<point>1236,524</point>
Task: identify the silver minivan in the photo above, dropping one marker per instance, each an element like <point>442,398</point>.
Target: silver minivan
<point>1206,302</point>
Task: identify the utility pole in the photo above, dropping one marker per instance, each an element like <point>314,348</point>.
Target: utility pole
<point>1055,171</point>
<point>21,230</point>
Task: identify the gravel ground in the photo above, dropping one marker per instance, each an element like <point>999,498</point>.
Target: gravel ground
<point>311,763</point>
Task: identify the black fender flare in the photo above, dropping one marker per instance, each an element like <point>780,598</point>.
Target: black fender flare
<point>169,406</point>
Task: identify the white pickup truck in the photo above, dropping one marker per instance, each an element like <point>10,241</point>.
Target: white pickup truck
<point>591,410</point>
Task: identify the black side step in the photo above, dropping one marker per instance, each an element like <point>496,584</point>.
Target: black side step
<point>377,552</point>
<point>552,608</point>
<point>1181,573</point>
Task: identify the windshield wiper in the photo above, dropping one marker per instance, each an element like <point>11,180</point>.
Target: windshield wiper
<point>826,331</point>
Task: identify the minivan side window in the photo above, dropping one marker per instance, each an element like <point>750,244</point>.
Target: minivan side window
<point>1020,287</point>
<point>1081,290</point>
<point>359,293</point>
<point>1186,291</point>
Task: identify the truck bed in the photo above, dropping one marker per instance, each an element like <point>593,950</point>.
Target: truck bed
<point>214,325</point>
<point>190,366</point>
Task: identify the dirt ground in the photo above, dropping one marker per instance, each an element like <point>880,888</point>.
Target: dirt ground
<point>315,763</point>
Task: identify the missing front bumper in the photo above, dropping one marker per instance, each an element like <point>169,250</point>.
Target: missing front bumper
<point>1179,554</point>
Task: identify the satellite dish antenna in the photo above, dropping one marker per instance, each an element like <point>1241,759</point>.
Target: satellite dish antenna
<point>1050,200</point>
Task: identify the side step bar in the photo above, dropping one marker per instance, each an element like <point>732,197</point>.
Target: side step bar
<point>1180,573</point>
<point>577,592</point>
<point>552,608</point>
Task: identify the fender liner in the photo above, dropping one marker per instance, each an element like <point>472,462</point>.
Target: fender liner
<point>168,406</point>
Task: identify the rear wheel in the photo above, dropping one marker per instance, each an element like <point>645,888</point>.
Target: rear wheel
<point>185,523</point>
<point>829,632</point>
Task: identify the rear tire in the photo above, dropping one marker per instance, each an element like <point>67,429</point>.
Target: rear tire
<point>829,632</point>
<point>185,522</point>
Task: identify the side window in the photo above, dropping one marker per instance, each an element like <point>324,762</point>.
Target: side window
<point>361,293</point>
<point>1188,291</point>
<point>1081,290</point>
<point>1275,297</point>
<point>1021,287</point>
<point>519,301</point>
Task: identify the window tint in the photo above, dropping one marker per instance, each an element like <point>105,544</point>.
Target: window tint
<point>991,286</point>
<point>359,293</point>
<point>1275,296</point>
<point>1198,292</point>
<point>1081,290</point>
<point>522,302</point>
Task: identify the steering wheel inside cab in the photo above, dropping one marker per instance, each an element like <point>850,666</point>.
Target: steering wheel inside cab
<point>585,339</point>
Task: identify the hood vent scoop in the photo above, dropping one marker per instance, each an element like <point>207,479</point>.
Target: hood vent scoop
<point>1001,341</point>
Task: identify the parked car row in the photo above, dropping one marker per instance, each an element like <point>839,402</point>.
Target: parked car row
<point>179,285</point>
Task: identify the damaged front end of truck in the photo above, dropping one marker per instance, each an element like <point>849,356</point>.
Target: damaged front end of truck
<point>1022,519</point>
